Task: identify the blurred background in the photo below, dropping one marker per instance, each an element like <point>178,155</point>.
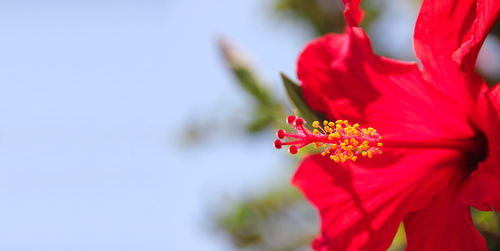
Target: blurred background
<point>148,125</point>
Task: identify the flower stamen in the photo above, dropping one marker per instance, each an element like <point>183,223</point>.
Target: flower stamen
<point>341,141</point>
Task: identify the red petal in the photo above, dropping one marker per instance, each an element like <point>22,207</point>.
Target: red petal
<point>324,77</point>
<point>342,78</point>
<point>445,224</point>
<point>439,30</point>
<point>448,32</point>
<point>487,12</point>
<point>353,13</point>
<point>361,204</point>
<point>483,188</point>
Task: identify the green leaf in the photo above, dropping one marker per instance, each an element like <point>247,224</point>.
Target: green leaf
<point>250,83</point>
<point>259,123</point>
<point>297,100</point>
<point>244,73</point>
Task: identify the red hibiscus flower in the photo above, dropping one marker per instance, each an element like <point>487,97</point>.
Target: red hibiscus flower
<point>440,126</point>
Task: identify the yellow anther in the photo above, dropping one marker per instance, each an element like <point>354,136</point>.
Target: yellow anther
<point>315,131</point>
<point>370,154</point>
<point>354,142</point>
<point>354,158</point>
<point>331,124</point>
<point>323,154</point>
<point>315,124</point>
<point>333,147</point>
<point>346,122</point>
<point>364,153</point>
<point>325,123</point>
<point>379,144</point>
<point>331,136</point>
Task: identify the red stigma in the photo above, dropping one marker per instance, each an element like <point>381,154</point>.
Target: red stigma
<point>290,119</point>
<point>299,122</point>
<point>278,144</point>
<point>280,133</point>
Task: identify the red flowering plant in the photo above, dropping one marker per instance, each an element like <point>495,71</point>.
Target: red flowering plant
<point>425,145</point>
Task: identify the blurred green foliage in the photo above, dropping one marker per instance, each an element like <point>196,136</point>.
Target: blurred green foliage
<point>323,16</point>
<point>277,220</point>
<point>488,223</point>
<point>281,219</point>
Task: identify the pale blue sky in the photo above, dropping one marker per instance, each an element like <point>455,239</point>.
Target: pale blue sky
<point>93,97</point>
